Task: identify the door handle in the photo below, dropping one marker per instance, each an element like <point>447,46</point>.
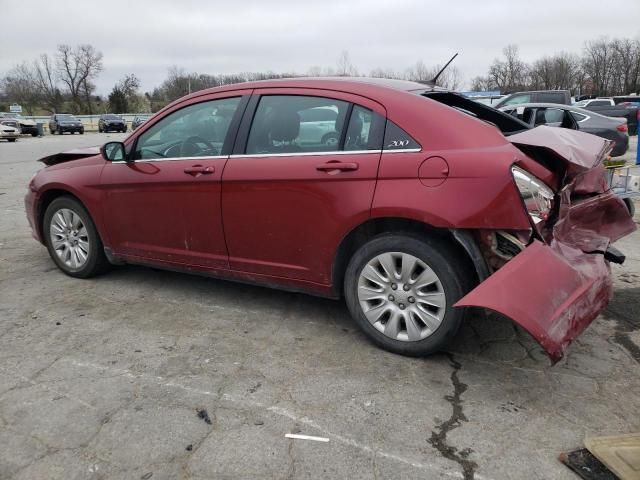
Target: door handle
<point>341,166</point>
<point>199,169</point>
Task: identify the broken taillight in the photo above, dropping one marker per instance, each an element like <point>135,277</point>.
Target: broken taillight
<point>537,196</point>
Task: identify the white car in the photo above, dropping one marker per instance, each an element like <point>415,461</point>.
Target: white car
<point>27,127</point>
<point>9,130</point>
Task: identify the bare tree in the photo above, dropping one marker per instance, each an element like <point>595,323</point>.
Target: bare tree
<point>20,86</point>
<point>510,73</point>
<point>483,84</point>
<point>598,62</point>
<point>46,82</point>
<point>344,67</point>
<point>77,67</point>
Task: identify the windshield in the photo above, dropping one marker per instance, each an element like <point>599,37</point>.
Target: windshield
<point>111,117</point>
<point>67,117</point>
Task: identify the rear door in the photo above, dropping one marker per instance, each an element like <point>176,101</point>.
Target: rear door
<point>290,191</point>
<point>164,204</point>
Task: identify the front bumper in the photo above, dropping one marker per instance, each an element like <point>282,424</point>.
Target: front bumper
<point>70,128</point>
<point>29,129</point>
<point>30,206</point>
<point>119,127</point>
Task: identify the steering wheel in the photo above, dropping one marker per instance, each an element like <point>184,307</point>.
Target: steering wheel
<point>192,142</point>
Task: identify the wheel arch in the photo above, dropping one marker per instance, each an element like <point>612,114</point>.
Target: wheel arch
<point>460,239</point>
<point>47,198</point>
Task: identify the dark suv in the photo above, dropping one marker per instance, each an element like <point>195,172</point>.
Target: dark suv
<point>65,122</point>
<point>110,122</point>
<point>537,96</point>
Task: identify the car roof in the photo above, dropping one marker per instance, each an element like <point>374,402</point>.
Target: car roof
<point>346,84</point>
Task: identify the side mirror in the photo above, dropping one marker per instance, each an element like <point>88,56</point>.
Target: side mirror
<point>113,151</point>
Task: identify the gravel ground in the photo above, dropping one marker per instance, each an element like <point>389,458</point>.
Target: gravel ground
<point>144,374</point>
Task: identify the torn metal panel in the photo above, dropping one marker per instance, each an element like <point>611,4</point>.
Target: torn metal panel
<point>546,293</point>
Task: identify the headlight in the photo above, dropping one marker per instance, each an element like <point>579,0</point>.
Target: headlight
<point>537,197</point>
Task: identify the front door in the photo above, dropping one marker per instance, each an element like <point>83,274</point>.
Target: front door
<point>292,188</point>
<point>164,203</point>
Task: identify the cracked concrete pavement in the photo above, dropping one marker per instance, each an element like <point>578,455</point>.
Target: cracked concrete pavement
<point>104,378</point>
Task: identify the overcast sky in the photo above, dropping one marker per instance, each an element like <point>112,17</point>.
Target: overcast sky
<point>146,37</point>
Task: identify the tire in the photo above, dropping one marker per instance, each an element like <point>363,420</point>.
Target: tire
<point>99,129</point>
<point>12,139</point>
<point>59,131</point>
<point>57,216</point>
<point>402,308</point>
<point>81,132</point>
<point>34,134</point>
<point>330,139</point>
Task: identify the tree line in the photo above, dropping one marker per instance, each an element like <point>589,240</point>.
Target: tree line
<point>606,67</point>
<point>64,81</point>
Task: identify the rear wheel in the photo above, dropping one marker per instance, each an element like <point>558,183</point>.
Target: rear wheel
<point>72,239</point>
<point>401,289</point>
<point>11,139</point>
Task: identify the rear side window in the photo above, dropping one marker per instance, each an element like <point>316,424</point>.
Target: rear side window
<point>599,103</point>
<point>516,99</point>
<point>578,117</point>
<point>296,123</point>
<point>396,138</point>
<point>551,97</point>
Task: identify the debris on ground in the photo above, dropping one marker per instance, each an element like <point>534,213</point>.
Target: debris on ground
<point>189,448</point>
<point>204,415</point>
<point>620,453</point>
<point>306,437</point>
<point>586,466</point>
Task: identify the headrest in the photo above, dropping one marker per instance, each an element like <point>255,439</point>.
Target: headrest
<point>284,126</point>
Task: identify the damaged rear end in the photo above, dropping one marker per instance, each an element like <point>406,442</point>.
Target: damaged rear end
<point>556,279</point>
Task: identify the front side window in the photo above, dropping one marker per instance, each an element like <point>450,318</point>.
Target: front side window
<point>198,130</point>
<point>296,123</point>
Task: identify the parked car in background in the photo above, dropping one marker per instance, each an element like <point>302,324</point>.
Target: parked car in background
<point>9,129</point>
<point>111,123</point>
<point>139,120</point>
<point>27,127</point>
<point>535,96</point>
<point>567,116</point>
<point>609,108</point>
<point>220,183</point>
<point>65,122</point>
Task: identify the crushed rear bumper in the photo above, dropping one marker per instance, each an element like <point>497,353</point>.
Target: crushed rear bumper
<point>555,288</point>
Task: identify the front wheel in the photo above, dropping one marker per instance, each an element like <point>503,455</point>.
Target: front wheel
<point>72,239</point>
<point>401,289</point>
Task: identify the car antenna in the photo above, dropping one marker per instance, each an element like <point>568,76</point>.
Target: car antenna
<point>432,82</point>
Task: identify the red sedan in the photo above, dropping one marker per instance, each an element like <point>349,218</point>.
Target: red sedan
<point>409,201</point>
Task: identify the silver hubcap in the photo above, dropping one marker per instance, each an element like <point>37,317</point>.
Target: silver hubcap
<point>401,296</point>
<point>69,238</point>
